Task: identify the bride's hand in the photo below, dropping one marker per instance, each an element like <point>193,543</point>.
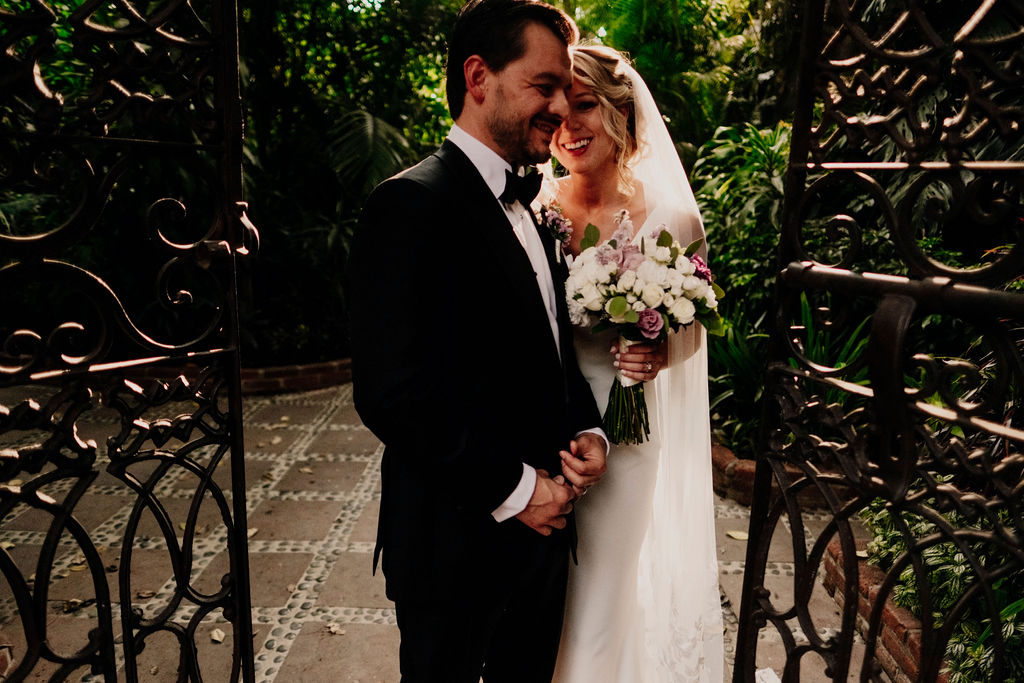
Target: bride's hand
<point>641,362</point>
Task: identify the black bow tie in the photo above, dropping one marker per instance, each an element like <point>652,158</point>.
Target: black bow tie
<point>522,188</point>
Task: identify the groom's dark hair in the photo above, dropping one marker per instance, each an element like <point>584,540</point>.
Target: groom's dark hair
<point>493,29</point>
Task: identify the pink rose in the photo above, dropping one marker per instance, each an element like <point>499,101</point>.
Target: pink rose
<point>650,323</point>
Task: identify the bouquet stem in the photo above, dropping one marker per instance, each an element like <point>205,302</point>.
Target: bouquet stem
<point>625,418</point>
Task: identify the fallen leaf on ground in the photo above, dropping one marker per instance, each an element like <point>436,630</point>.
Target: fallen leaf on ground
<point>738,535</point>
<point>285,418</point>
<point>862,553</point>
<point>217,636</point>
<point>276,440</point>
<point>292,587</point>
<point>251,532</point>
<point>336,629</point>
<point>144,595</point>
<point>154,671</point>
<point>306,470</point>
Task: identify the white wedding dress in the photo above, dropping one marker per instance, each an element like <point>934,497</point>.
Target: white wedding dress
<point>643,602</point>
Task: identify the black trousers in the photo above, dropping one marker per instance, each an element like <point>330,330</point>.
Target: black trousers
<point>504,624</point>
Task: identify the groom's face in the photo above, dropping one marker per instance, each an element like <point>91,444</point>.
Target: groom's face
<point>529,99</point>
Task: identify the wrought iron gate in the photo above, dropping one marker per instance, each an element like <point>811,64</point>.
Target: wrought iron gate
<point>122,489</point>
<point>895,380</point>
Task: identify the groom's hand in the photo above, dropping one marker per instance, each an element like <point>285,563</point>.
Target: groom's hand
<point>550,503</point>
<point>585,462</point>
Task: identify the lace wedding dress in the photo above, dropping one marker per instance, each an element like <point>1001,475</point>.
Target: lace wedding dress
<point>643,604</point>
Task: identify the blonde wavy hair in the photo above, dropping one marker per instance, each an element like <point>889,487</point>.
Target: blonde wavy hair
<point>598,68</point>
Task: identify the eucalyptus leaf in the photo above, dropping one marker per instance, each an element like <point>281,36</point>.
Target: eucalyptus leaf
<point>693,247</point>
<point>617,306</point>
<point>665,239</point>
<point>590,237</point>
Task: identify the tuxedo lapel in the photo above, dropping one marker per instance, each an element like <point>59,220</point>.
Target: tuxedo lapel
<point>497,238</point>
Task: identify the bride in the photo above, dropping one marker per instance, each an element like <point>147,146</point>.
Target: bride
<point>643,602</point>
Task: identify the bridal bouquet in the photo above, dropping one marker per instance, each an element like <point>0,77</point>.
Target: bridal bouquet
<point>642,290</point>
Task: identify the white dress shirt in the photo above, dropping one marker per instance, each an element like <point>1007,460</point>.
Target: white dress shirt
<point>492,168</point>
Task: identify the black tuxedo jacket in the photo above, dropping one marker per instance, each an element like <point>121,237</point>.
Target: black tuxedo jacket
<point>455,369</point>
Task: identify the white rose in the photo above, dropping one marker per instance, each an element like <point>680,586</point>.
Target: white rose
<point>668,300</point>
<point>590,298</point>
<point>693,285</point>
<point>627,280</point>
<point>663,254</point>
<point>683,311</point>
<point>648,272</point>
<point>653,295</point>
<point>595,272</point>
<point>711,301</point>
<point>675,279</point>
<point>684,265</point>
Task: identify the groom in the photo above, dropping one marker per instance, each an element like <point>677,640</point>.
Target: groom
<point>463,366</point>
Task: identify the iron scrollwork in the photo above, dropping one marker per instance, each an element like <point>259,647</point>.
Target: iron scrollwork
<point>902,236</point>
<point>121,226</point>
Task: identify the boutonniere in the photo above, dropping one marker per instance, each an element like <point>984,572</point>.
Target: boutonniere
<point>560,227</point>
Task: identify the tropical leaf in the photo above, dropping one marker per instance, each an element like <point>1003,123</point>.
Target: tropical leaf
<point>366,150</point>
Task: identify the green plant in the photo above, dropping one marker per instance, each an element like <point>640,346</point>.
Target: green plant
<point>949,574</point>
<point>738,184</point>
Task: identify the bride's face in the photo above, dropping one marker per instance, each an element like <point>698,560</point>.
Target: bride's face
<point>582,144</point>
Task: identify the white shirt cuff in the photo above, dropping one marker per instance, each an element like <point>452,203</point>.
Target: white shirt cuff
<point>520,497</point>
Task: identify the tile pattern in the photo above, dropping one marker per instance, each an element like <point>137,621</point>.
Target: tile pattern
<point>313,487</point>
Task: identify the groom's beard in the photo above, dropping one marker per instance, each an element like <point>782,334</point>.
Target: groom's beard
<point>518,138</point>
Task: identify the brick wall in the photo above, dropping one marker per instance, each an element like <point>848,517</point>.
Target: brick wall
<point>898,647</point>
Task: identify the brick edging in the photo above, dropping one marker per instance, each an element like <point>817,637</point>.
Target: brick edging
<point>898,645</point>
<point>270,380</point>
<point>296,377</point>
<point>733,477</point>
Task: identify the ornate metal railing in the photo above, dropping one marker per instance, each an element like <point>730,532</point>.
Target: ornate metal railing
<point>895,375</point>
<point>121,230</point>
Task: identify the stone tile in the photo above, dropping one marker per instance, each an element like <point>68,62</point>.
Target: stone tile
<point>730,549</point>
<point>293,520</point>
<point>366,653</point>
<point>254,472</point>
<point>273,576</point>
<point>150,570</point>
<point>140,470</point>
<point>345,442</point>
<point>65,633</point>
<point>337,477</point>
<point>91,511</point>
<point>208,520</point>
<point>159,660</point>
<point>287,413</point>
<point>365,528</point>
<point>345,415</point>
<point>351,583</point>
<point>264,440</point>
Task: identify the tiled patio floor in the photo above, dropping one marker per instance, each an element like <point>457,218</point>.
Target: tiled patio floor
<point>319,615</point>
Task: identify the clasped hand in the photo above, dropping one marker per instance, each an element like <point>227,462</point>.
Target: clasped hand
<point>582,465</point>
